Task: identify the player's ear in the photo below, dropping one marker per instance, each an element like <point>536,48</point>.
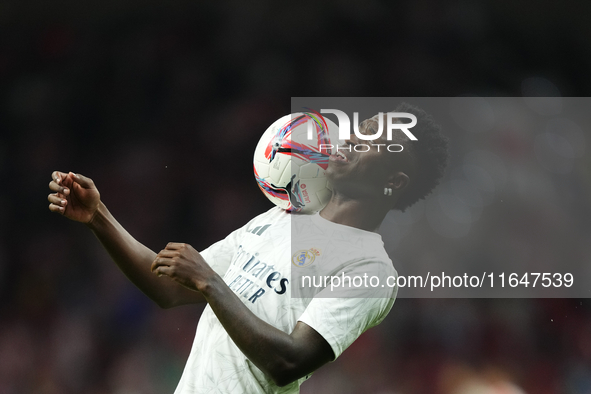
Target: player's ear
<point>398,181</point>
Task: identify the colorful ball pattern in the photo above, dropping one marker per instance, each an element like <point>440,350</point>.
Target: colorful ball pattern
<point>289,167</point>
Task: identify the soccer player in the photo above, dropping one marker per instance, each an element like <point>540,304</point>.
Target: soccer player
<point>255,336</point>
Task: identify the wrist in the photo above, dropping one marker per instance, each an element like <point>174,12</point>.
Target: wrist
<point>97,217</point>
<point>210,285</point>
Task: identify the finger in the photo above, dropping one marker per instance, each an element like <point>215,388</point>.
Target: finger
<point>160,262</point>
<point>57,200</point>
<point>83,181</point>
<point>175,246</point>
<point>57,176</point>
<point>56,208</point>
<point>55,187</point>
<point>168,253</point>
<point>164,270</point>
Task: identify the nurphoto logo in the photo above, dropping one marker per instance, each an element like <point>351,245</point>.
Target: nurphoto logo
<point>345,130</point>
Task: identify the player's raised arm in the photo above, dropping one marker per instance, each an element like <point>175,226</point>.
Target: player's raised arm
<point>77,198</point>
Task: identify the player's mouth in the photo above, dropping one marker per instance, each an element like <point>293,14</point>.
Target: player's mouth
<point>339,156</point>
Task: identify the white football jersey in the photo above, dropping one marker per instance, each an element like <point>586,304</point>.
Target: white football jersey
<point>263,263</point>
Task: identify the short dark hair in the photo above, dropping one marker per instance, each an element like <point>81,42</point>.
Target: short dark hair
<point>430,154</point>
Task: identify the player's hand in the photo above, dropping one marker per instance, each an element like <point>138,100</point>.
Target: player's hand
<point>75,196</point>
<point>183,264</point>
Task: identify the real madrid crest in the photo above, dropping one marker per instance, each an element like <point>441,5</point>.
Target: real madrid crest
<point>304,257</point>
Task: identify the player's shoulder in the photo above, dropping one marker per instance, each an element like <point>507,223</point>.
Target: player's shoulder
<point>377,264</point>
<point>274,214</point>
<point>388,268</point>
<point>274,217</point>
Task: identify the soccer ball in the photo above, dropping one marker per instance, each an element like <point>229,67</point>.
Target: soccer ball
<point>289,167</point>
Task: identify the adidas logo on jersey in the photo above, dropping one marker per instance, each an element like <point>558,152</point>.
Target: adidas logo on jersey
<point>259,229</point>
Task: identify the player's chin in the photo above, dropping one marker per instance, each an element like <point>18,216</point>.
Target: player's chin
<point>330,172</point>
<point>334,176</point>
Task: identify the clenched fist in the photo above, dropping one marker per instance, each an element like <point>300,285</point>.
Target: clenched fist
<point>183,264</point>
<point>76,197</point>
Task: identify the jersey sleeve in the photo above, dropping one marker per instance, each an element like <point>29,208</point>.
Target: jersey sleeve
<point>219,255</point>
<point>341,320</point>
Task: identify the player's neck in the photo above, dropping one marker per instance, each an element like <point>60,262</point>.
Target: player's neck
<point>363,214</point>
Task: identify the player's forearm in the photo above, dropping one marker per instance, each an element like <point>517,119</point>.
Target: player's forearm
<point>273,351</point>
<point>135,259</point>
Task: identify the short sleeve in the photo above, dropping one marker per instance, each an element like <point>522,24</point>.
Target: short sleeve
<point>219,255</point>
<point>341,321</point>
<point>342,314</point>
